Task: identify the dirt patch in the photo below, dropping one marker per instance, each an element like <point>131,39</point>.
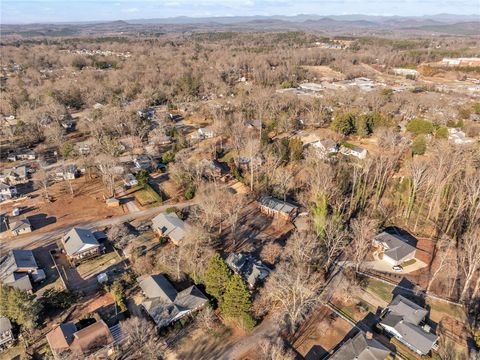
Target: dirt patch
<point>324,71</point>
<point>320,334</point>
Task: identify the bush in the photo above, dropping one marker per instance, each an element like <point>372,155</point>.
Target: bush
<point>288,84</point>
<point>189,192</point>
<point>420,126</point>
<point>442,133</point>
<point>168,157</point>
<point>419,145</point>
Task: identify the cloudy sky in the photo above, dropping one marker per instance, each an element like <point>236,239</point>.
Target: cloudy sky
<point>28,11</point>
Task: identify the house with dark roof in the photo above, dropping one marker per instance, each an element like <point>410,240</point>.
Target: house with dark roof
<point>6,334</point>
<point>21,226</point>
<point>276,208</point>
<point>19,268</point>
<point>404,320</point>
<point>249,269</point>
<point>165,304</point>
<point>170,226</point>
<point>67,338</point>
<point>396,249</point>
<point>80,244</point>
<point>361,347</point>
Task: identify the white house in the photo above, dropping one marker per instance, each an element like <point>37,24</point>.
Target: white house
<point>206,133</point>
<point>353,150</point>
<point>395,248</point>
<point>326,146</point>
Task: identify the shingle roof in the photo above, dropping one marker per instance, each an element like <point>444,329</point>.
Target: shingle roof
<point>170,225</point>
<point>61,337</point>
<point>20,224</point>
<point>164,304</point>
<point>405,316</point>
<point>78,240</point>
<point>10,263</point>
<point>92,338</point>
<point>277,205</point>
<point>361,348</point>
<point>250,270</point>
<point>396,247</point>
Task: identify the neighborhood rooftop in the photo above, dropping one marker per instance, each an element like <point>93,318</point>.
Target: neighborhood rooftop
<point>78,240</point>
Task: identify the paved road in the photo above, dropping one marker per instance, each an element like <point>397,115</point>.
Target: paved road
<point>34,240</point>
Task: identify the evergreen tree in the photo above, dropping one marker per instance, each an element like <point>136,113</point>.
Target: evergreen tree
<point>19,306</point>
<point>344,123</point>
<point>237,300</point>
<point>217,277</point>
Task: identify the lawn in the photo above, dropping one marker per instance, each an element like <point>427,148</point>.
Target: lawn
<point>93,266</point>
<point>13,352</point>
<point>382,290</point>
<point>146,196</point>
<point>358,309</point>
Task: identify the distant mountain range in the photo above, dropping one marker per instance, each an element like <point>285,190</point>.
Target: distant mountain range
<point>335,24</point>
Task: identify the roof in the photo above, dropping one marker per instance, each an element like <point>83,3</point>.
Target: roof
<point>92,338</point>
<point>277,205</point>
<point>5,324</point>
<point>361,348</point>
<point>396,247</point>
<point>79,240</point>
<point>61,337</point>
<point>170,225</point>
<point>10,264</point>
<point>405,316</point>
<point>250,270</point>
<point>410,311</point>
<point>164,304</point>
<point>20,225</point>
<point>157,286</point>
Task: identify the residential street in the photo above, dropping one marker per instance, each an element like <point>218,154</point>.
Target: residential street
<point>34,240</point>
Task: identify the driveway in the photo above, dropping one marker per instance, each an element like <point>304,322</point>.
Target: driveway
<point>383,266</point>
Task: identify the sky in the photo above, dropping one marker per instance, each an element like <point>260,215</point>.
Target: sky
<point>41,11</point>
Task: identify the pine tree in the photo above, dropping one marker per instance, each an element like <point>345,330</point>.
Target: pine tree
<point>236,300</point>
<point>19,306</point>
<point>217,277</point>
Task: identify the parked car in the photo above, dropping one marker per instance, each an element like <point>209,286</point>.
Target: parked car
<point>397,268</point>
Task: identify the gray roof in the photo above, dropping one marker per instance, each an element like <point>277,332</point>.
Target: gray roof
<point>5,324</point>
<point>405,316</point>
<point>245,265</point>
<point>163,303</point>
<point>78,240</point>
<point>170,225</point>
<point>277,205</point>
<point>361,348</point>
<point>407,309</point>
<point>9,265</point>
<point>396,247</point>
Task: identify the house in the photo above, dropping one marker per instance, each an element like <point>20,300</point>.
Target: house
<point>170,226</point>
<point>403,319</point>
<point>361,347</point>
<point>353,150</point>
<point>20,227</point>
<point>67,338</point>
<point>18,268</point>
<point>251,270</point>
<point>461,61</point>
<point>212,168</point>
<point>406,72</point>
<point>458,137</point>
<point>7,191</point>
<point>27,154</point>
<point>164,304</point>
<point>69,172</point>
<point>6,334</point>
<point>273,207</point>
<point>206,133</point>
<point>396,249</point>
<point>325,147</point>
<point>142,162</point>
<point>80,244</point>
<point>130,180</point>
<point>16,175</point>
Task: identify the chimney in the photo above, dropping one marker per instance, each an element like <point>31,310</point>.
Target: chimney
<point>369,335</point>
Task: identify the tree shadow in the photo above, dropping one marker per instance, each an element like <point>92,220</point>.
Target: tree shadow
<point>39,221</point>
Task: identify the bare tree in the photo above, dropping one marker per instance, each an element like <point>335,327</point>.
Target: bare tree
<point>469,257</point>
<point>363,231</point>
<point>140,340</point>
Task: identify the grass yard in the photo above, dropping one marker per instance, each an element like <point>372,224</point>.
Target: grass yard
<point>93,266</point>
<point>146,196</point>
<point>358,309</point>
<point>382,290</point>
